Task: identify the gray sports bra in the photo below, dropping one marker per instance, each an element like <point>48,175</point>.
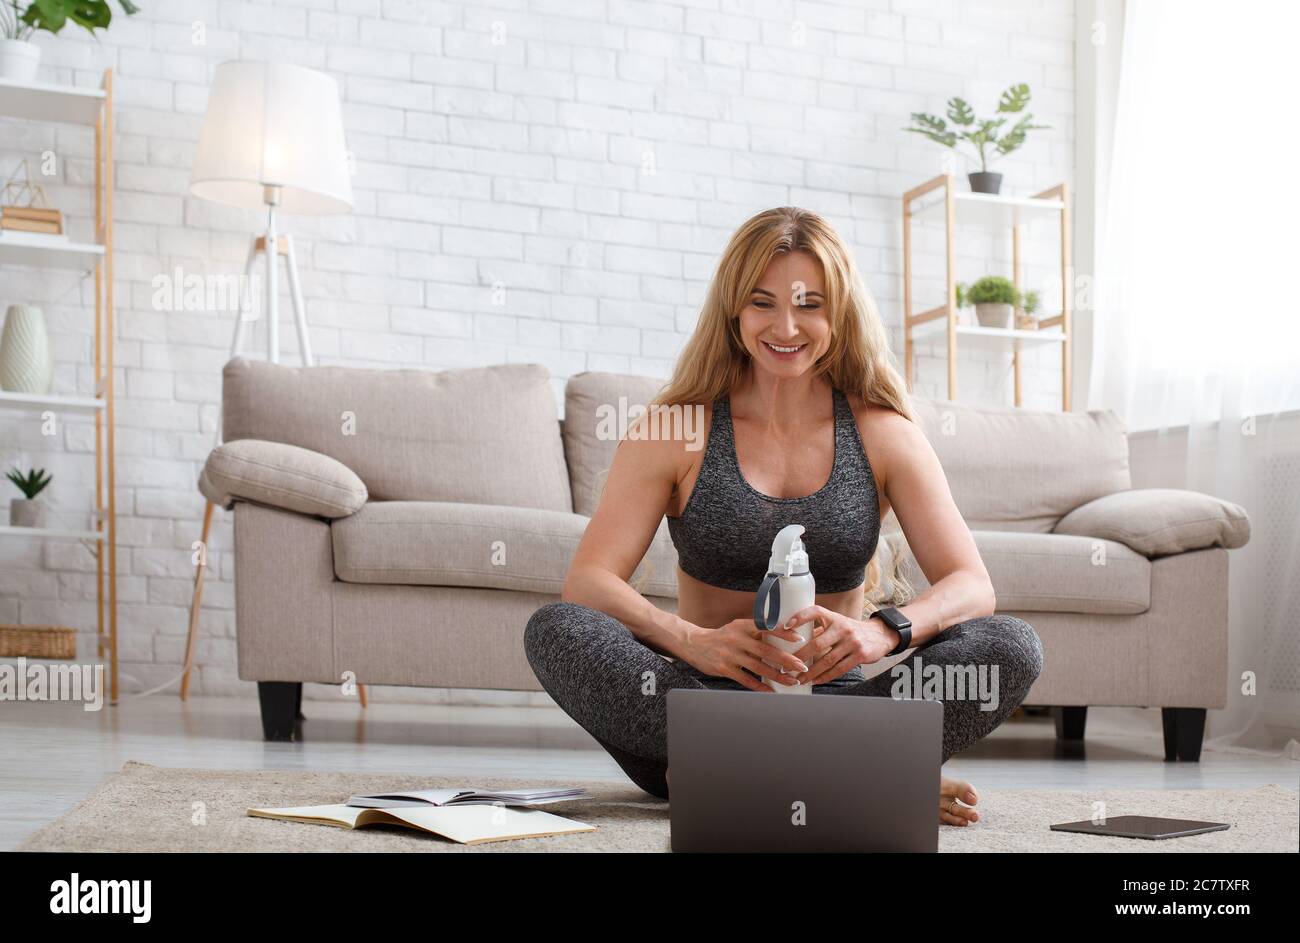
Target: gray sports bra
<point>724,534</point>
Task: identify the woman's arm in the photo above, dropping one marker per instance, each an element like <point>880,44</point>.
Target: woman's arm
<point>917,490</point>
<point>912,482</point>
<point>632,503</point>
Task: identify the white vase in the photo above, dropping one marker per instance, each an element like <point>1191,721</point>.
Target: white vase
<point>993,314</point>
<point>24,512</point>
<point>25,364</point>
<point>19,59</point>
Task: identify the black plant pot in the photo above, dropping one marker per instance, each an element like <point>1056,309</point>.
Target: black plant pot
<point>984,182</point>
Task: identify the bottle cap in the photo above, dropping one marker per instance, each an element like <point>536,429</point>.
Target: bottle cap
<point>788,555</point>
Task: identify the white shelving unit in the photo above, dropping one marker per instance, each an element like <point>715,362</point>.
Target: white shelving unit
<point>61,104</point>
<point>988,210</point>
<point>63,533</point>
<point>55,401</point>
<point>939,201</point>
<point>90,108</point>
<point>987,337</point>
<point>41,251</point>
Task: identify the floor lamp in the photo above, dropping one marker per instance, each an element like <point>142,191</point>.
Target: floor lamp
<point>272,139</point>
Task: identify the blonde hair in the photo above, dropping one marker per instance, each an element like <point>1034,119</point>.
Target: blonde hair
<point>858,361</point>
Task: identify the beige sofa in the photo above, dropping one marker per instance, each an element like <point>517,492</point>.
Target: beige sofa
<point>399,527</point>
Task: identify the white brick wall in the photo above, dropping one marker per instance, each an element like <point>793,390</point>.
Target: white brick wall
<point>591,156</point>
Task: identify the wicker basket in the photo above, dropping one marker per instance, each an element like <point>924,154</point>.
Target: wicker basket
<point>38,641</point>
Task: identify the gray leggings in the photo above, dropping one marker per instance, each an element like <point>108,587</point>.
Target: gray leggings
<point>598,671</point>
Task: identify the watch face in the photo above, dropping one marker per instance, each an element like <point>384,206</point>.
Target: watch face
<point>895,618</point>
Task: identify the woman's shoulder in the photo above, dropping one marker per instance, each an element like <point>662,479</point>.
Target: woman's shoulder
<point>878,418</point>
<point>887,435</point>
<point>669,430</point>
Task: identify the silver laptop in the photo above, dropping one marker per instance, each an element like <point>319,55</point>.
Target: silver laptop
<point>750,771</point>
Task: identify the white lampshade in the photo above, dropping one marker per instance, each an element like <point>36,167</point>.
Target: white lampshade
<point>273,125</point>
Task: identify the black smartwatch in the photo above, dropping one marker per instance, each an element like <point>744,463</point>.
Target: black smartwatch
<point>900,623</point>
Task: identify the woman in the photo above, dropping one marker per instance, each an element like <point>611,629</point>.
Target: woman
<point>790,362</point>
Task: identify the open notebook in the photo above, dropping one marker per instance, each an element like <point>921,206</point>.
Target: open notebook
<point>467,824</point>
<point>423,798</point>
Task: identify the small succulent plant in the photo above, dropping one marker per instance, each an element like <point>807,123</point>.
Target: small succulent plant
<point>30,484</point>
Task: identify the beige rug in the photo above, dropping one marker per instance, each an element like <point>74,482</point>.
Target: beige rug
<point>153,808</point>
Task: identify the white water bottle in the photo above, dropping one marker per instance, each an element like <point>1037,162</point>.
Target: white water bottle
<point>787,588</point>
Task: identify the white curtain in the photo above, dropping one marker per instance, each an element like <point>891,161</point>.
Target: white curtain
<point>1197,322</point>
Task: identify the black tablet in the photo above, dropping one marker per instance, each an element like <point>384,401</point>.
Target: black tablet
<point>1141,826</point>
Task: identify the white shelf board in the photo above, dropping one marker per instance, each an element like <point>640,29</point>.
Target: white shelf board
<point>936,331</point>
<point>50,532</point>
<point>987,210</point>
<point>54,401</point>
<point>43,251</point>
<point>37,101</point>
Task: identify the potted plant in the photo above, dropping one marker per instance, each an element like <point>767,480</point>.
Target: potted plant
<point>984,135</point>
<point>27,511</point>
<point>994,297</point>
<point>962,304</point>
<point>20,18</point>
<point>1028,307</point>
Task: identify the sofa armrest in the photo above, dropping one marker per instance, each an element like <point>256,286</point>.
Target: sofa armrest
<point>1157,522</point>
<point>281,476</point>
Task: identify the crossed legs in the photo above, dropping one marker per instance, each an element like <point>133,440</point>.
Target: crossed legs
<point>616,688</point>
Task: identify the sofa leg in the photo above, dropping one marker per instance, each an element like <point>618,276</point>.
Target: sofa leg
<point>297,705</point>
<point>280,701</point>
<point>1070,722</point>
<point>1184,730</point>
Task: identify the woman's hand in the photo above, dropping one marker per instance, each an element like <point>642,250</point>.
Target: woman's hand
<point>727,650</point>
<point>840,644</point>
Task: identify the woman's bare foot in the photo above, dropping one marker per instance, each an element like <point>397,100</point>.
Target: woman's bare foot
<point>955,813</point>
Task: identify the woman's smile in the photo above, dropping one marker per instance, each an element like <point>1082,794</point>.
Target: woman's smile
<point>783,351</point>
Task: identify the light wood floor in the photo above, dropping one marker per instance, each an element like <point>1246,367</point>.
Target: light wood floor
<point>53,754</point>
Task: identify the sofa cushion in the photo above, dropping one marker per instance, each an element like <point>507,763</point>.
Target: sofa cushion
<point>595,407</point>
<point>1017,469</point>
<point>429,543</point>
<point>483,436</point>
<point>1051,572</point>
<point>1160,521</point>
<point>282,476</point>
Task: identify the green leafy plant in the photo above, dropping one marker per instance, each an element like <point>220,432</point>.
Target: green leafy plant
<point>994,289</point>
<point>31,484</point>
<point>20,20</point>
<point>984,135</point>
